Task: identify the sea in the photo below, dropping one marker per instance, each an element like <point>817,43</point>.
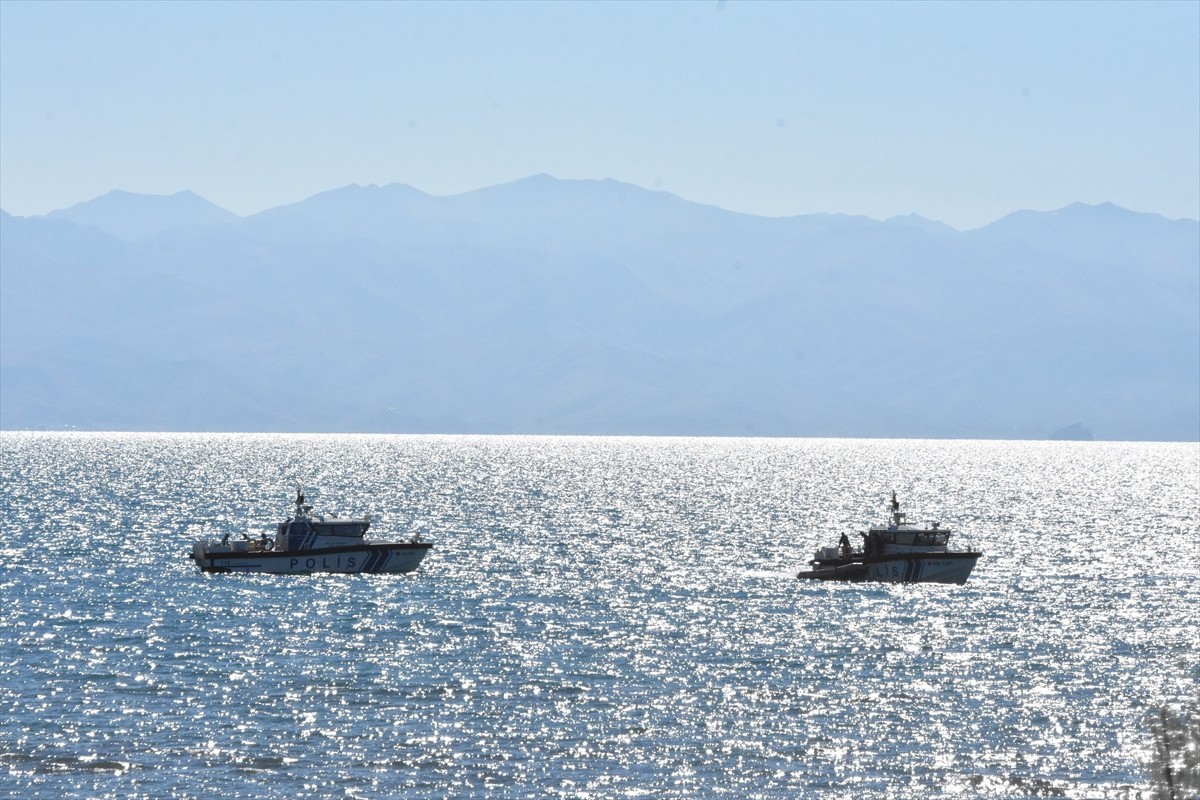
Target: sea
<point>598,618</point>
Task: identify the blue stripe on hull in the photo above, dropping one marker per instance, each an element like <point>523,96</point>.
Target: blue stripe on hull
<point>371,559</point>
<point>377,561</point>
<point>926,569</point>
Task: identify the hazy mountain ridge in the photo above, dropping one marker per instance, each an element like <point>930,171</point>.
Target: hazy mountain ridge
<point>130,216</point>
<point>595,307</point>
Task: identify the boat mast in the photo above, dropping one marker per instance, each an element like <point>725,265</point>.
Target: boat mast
<point>897,516</point>
<point>301,508</point>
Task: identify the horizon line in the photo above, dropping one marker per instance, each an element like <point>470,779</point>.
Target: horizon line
<point>356,185</point>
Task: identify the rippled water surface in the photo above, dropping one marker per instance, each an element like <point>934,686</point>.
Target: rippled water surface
<point>600,617</point>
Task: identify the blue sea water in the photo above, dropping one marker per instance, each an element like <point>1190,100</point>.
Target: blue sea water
<point>599,617</point>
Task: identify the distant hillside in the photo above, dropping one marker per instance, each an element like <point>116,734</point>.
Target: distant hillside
<point>551,306</point>
<point>131,216</point>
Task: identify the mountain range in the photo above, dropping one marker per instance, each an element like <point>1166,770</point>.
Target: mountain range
<point>595,307</point>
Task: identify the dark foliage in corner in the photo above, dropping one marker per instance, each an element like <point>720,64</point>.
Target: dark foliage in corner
<point>1173,765</point>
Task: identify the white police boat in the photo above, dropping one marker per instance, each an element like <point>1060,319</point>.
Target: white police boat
<point>306,543</point>
<point>898,552</point>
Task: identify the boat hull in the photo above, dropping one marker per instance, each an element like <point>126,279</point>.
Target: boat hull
<point>924,568</point>
<point>383,557</point>
<point>939,568</point>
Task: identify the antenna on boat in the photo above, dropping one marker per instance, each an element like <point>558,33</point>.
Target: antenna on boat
<point>301,508</point>
<point>897,517</point>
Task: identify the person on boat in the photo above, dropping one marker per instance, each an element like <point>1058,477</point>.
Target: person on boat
<point>844,543</point>
<point>225,538</point>
<point>895,502</point>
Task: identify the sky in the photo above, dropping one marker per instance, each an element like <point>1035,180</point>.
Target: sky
<point>959,112</point>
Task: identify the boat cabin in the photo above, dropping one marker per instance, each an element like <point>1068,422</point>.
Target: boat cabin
<point>912,537</point>
<point>307,531</point>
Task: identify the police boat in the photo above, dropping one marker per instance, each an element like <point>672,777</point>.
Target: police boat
<point>897,552</point>
<point>306,543</point>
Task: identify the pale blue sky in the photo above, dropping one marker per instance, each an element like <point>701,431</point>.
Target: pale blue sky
<point>959,112</point>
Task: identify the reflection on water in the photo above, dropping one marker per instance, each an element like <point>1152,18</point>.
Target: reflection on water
<point>600,617</point>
